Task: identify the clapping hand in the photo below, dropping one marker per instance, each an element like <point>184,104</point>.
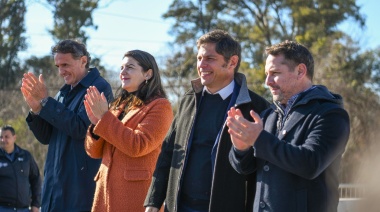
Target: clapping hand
<point>34,90</point>
<point>96,104</point>
<point>243,132</point>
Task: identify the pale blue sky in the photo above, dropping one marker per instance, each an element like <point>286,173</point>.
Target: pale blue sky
<point>137,24</point>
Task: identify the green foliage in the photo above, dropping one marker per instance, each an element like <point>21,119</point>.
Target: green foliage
<point>70,17</point>
<point>12,40</point>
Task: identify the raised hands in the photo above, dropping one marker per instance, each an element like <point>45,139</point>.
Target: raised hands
<point>243,132</point>
<point>96,104</point>
<point>34,90</point>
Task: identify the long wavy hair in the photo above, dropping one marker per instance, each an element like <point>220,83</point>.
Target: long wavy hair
<point>147,90</point>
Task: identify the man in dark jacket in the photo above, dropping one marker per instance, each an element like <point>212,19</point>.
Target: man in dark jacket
<point>296,148</point>
<point>192,171</point>
<point>61,122</point>
<point>20,181</point>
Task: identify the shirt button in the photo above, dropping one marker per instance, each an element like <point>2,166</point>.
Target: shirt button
<point>262,204</point>
<point>266,168</point>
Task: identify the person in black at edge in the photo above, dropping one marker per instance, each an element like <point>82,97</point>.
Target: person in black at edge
<point>20,181</point>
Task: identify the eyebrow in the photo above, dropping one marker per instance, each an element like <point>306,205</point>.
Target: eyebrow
<point>207,55</point>
<point>129,64</point>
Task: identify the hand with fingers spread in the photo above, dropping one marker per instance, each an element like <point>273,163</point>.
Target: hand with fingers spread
<point>33,90</point>
<point>96,104</point>
<point>243,132</point>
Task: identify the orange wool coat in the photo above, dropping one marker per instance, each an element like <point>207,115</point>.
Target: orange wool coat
<point>129,150</point>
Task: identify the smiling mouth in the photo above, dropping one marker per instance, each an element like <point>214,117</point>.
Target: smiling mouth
<point>205,73</point>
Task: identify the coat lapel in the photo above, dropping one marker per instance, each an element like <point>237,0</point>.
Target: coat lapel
<point>294,118</point>
<point>271,123</point>
<point>130,113</point>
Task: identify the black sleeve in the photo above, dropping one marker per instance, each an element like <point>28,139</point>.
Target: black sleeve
<point>35,182</point>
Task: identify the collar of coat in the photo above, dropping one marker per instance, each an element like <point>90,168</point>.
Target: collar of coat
<point>240,79</point>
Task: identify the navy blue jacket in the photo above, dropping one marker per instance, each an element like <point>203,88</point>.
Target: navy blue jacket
<point>62,124</point>
<point>297,162</point>
<point>20,181</point>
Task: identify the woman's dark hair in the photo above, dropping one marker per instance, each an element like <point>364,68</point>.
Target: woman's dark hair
<point>148,90</point>
<point>75,48</point>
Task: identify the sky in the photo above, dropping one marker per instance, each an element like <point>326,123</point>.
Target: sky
<point>138,24</point>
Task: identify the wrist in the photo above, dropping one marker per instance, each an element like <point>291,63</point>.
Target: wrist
<point>35,112</point>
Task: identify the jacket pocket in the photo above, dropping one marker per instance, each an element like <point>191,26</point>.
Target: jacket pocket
<point>136,175</point>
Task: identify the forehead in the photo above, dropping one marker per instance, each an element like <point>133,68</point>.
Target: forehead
<point>5,132</point>
<point>207,49</point>
<point>129,60</point>
<point>275,62</point>
<point>63,57</point>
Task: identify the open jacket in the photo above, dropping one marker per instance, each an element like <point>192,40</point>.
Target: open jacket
<point>129,149</point>
<point>297,160</point>
<point>62,124</point>
<point>229,189</point>
<point>20,180</point>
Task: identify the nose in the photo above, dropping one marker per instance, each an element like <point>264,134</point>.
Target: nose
<point>201,63</point>
<point>268,80</point>
<point>123,70</point>
<point>61,70</point>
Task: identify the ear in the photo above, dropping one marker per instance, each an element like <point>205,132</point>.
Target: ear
<point>83,60</point>
<point>302,71</point>
<point>233,61</point>
<point>148,74</point>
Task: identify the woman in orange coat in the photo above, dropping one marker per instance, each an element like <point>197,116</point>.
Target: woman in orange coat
<point>128,135</point>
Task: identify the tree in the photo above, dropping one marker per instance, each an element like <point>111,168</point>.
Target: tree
<point>193,18</point>
<point>257,24</point>
<point>12,40</point>
<point>70,17</point>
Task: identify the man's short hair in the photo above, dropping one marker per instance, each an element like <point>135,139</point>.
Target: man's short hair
<point>10,128</point>
<point>75,48</point>
<point>295,53</point>
<point>225,45</point>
